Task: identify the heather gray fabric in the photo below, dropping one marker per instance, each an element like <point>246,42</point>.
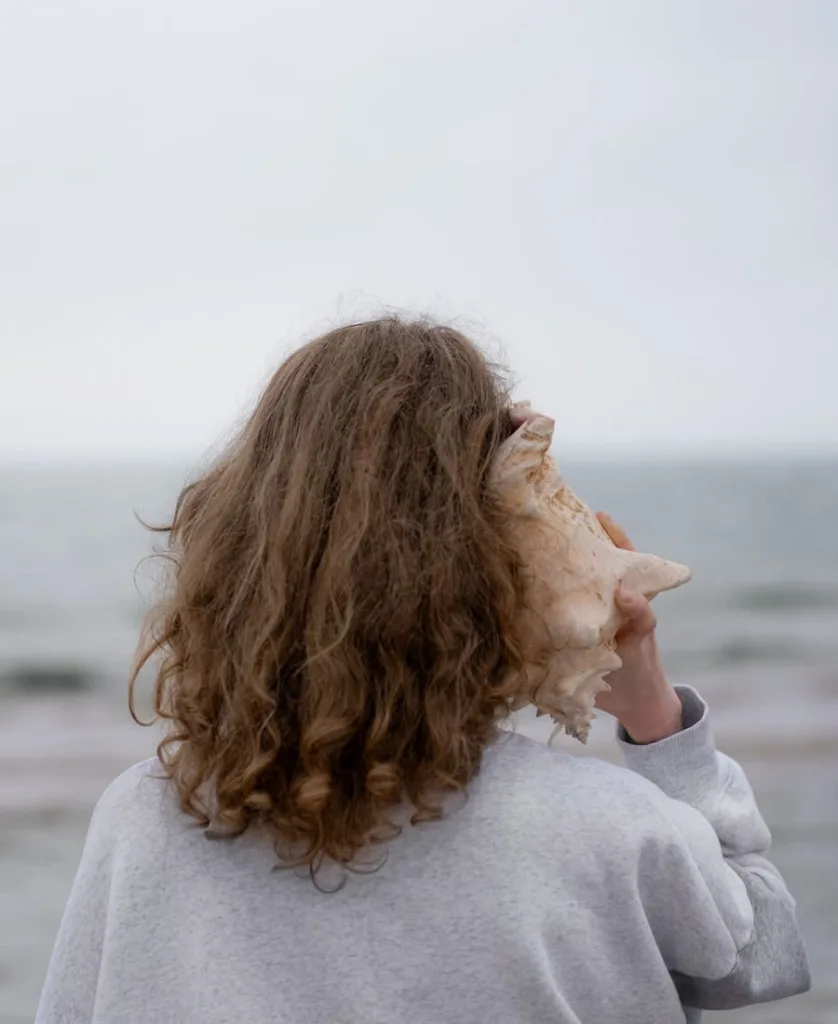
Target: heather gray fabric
<point>564,889</point>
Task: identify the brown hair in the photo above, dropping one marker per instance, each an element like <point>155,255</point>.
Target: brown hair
<point>337,632</point>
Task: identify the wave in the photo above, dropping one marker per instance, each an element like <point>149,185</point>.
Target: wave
<point>42,678</point>
<point>739,651</point>
<point>771,597</point>
<point>746,650</point>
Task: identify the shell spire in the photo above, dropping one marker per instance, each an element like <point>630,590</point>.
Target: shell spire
<point>650,575</point>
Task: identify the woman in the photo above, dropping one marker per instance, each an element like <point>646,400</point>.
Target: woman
<point>337,657</point>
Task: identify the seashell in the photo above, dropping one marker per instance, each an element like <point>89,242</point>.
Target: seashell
<point>573,570</point>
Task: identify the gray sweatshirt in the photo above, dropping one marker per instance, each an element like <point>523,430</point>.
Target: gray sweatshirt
<point>562,889</point>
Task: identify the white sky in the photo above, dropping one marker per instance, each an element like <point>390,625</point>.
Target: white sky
<point>636,199</point>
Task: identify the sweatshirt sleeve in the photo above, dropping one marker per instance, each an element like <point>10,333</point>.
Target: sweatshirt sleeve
<point>720,911</point>
<point>69,992</point>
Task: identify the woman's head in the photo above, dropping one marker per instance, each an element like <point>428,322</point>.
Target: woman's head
<point>337,632</point>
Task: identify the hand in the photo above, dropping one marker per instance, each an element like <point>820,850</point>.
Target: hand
<point>641,698</point>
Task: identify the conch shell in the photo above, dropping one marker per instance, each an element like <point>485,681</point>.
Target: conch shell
<point>573,570</point>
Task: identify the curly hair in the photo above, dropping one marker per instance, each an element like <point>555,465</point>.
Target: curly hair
<point>336,636</point>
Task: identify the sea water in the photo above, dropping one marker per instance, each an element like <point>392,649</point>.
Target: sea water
<point>756,631</point>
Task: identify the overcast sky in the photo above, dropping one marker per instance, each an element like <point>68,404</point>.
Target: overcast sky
<point>636,200</point>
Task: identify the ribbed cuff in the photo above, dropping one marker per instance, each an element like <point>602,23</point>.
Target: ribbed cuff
<point>683,765</point>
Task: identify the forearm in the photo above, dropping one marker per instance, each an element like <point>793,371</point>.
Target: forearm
<point>687,766</point>
<point>771,961</point>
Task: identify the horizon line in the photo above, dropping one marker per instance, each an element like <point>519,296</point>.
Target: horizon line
<point>569,454</point>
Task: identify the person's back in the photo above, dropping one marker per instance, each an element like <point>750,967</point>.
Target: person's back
<point>544,887</point>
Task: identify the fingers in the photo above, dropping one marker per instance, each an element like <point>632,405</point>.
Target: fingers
<point>615,532</point>
<point>522,466</point>
<point>641,619</point>
<point>520,412</point>
<point>525,450</point>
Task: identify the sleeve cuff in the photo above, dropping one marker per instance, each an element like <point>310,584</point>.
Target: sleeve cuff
<point>683,763</point>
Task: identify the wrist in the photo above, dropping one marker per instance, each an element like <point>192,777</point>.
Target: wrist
<point>656,722</point>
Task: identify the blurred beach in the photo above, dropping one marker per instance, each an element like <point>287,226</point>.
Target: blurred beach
<point>756,632</point>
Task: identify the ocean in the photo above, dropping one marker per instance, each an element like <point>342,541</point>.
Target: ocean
<point>756,631</point>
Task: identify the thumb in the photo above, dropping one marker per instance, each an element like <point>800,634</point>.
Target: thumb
<point>637,610</point>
